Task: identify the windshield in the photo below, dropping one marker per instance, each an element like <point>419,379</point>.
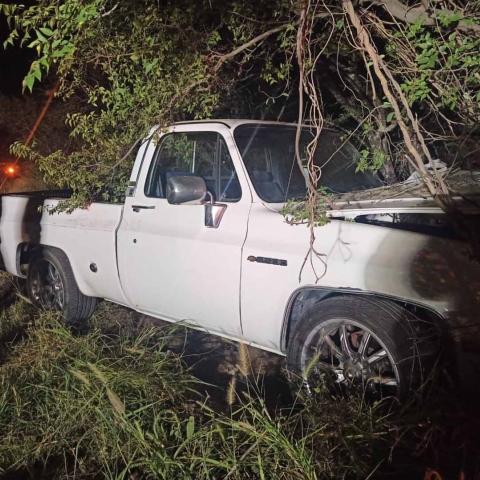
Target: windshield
<point>268,152</point>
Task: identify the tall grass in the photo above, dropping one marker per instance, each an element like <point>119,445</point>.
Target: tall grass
<point>118,405</point>
<point>108,406</point>
<point>81,397</point>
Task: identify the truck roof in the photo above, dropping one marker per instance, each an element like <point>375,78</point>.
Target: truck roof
<point>235,122</point>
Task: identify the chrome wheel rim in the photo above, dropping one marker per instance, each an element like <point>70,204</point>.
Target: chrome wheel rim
<point>353,355</point>
<point>47,287</point>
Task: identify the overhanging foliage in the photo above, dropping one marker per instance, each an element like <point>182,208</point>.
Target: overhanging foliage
<point>125,66</point>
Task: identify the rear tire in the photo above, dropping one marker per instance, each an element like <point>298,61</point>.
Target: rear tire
<point>397,358</point>
<point>51,285</point>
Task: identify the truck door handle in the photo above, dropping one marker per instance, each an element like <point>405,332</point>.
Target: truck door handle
<point>137,208</point>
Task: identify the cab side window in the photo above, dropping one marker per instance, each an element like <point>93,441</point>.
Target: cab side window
<point>203,154</point>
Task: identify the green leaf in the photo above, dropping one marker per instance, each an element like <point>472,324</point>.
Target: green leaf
<point>33,44</point>
<point>46,31</point>
<point>36,71</point>
<point>41,37</point>
<point>190,427</point>
<point>28,82</point>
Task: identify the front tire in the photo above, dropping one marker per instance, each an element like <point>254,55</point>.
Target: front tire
<point>51,285</point>
<point>363,342</point>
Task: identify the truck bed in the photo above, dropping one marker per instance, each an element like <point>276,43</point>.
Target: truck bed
<point>85,235</point>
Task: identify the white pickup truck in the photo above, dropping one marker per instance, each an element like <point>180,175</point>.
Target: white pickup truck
<point>200,239</point>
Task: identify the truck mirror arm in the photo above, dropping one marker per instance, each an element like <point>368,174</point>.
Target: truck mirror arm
<point>213,213</point>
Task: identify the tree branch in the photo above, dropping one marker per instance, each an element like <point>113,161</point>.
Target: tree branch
<point>106,14</point>
<point>259,38</point>
<point>379,68</point>
<point>407,14</point>
<point>224,58</point>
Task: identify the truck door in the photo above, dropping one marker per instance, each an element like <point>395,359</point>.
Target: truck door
<point>171,264</point>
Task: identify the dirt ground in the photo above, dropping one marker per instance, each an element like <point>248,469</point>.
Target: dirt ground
<point>217,362</point>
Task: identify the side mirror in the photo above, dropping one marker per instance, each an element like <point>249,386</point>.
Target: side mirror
<point>186,189</point>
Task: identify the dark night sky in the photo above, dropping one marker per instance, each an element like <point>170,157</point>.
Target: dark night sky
<point>14,63</point>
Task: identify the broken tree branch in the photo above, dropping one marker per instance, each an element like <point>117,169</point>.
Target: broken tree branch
<point>382,72</point>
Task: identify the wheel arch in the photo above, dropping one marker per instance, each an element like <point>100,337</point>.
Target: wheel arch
<point>27,251</point>
<point>74,305</point>
<point>304,299</point>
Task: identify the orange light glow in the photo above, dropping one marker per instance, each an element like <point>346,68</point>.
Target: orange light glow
<point>10,170</point>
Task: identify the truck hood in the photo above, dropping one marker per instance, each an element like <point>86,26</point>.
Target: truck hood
<point>408,205</point>
<point>405,196</point>
<point>412,196</point>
